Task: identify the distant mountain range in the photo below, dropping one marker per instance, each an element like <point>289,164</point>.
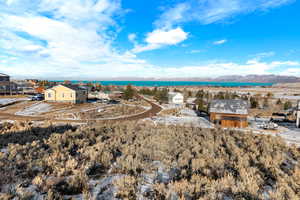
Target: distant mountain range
<point>233,78</point>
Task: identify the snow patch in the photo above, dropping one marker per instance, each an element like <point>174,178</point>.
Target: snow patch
<point>192,121</point>
<point>35,109</point>
<point>11,100</point>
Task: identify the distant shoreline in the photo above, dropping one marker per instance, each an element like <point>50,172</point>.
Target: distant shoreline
<point>174,83</point>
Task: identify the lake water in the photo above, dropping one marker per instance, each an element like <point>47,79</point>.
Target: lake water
<point>175,83</point>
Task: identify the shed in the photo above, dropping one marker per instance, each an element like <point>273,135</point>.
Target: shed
<point>229,113</point>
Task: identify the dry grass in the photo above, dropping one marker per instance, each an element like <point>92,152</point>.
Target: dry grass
<point>168,112</point>
<point>13,96</point>
<point>207,164</point>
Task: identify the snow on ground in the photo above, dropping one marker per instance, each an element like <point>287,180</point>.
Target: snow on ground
<point>187,117</point>
<point>189,121</point>
<point>35,109</point>
<point>287,131</point>
<point>170,106</point>
<point>292,136</point>
<point>6,101</point>
<point>287,97</point>
<point>188,112</point>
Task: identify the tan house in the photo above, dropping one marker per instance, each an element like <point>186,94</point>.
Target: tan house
<point>66,94</point>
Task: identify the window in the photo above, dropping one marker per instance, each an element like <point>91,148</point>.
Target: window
<point>63,95</point>
<point>49,95</point>
<point>71,95</point>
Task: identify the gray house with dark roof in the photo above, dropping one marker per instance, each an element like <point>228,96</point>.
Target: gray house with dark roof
<point>229,113</point>
<point>5,86</point>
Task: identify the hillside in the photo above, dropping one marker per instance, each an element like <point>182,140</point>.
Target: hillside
<point>143,161</point>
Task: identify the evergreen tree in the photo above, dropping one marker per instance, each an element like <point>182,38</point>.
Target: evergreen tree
<point>162,95</point>
<point>190,93</point>
<point>279,102</point>
<point>201,105</point>
<point>253,102</point>
<point>287,105</point>
<point>266,103</point>
<point>200,94</point>
<point>129,92</point>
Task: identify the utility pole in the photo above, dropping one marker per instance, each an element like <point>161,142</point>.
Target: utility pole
<point>298,115</point>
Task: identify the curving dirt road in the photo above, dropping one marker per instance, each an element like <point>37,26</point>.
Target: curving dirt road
<point>149,113</point>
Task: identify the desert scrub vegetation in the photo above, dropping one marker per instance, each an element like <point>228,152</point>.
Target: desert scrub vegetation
<point>153,162</point>
<point>117,111</point>
<point>168,112</point>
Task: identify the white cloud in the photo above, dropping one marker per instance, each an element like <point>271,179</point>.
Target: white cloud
<point>292,72</point>
<point>219,42</point>
<point>213,11</point>
<point>215,69</point>
<point>160,38</point>
<point>132,37</point>
<point>173,16</point>
<point>195,51</point>
<point>125,67</point>
<point>170,37</point>
<point>71,38</point>
<point>75,40</point>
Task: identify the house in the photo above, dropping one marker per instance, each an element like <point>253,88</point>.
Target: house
<point>175,98</point>
<point>4,84</point>
<point>298,115</point>
<point>66,93</point>
<point>229,113</point>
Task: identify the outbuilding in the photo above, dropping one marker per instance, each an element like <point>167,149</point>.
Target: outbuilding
<point>175,98</point>
<point>229,113</point>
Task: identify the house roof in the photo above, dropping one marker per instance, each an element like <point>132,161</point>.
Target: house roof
<point>239,107</point>
<point>72,87</point>
<point>1,74</point>
<point>173,94</point>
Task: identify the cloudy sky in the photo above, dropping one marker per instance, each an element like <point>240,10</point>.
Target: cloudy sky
<point>90,39</point>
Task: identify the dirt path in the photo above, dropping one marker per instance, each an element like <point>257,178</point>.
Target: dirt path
<point>149,113</point>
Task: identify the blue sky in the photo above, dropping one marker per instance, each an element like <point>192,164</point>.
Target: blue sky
<point>90,39</point>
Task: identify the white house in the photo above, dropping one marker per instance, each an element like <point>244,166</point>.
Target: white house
<point>298,115</point>
<point>175,98</point>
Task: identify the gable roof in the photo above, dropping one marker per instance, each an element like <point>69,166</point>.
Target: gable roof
<point>173,94</point>
<point>72,87</point>
<point>229,107</point>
